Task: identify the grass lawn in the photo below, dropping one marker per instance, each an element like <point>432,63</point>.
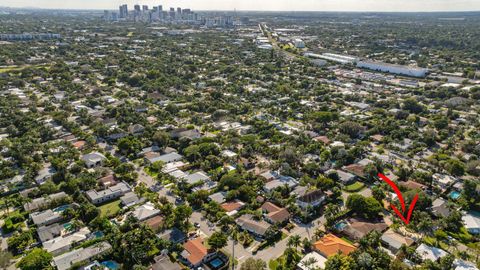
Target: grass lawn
<point>355,187</point>
<point>347,240</point>
<point>273,264</point>
<point>463,236</point>
<point>10,69</point>
<point>150,172</point>
<point>432,241</point>
<point>110,209</point>
<point>20,68</point>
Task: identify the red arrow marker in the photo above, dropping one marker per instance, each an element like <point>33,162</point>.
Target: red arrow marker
<point>400,198</point>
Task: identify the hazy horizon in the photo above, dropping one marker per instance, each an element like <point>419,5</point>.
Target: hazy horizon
<point>264,5</point>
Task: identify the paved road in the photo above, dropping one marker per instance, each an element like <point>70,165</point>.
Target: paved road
<point>288,55</point>
<point>3,239</point>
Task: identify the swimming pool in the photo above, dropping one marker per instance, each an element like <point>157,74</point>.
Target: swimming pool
<point>67,226</point>
<point>455,195</point>
<point>61,208</point>
<point>216,263</point>
<point>112,265</point>
<point>98,234</point>
<point>341,225</point>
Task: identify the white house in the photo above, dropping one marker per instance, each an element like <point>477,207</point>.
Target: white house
<point>63,243</point>
<point>166,158</point>
<point>145,211</point>
<point>310,198</point>
<point>430,253</point>
<point>94,159</point>
<point>46,217</point>
<point>81,255</point>
<point>311,261</point>
<point>111,193</point>
<point>443,180</point>
<point>472,222</point>
<point>463,265</point>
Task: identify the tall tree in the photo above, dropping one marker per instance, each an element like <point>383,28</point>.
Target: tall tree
<point>217,240</point>
<point>36,259</point>
<point>253,264</point>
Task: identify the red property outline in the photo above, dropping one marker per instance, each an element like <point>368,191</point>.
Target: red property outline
<point>400,198</point>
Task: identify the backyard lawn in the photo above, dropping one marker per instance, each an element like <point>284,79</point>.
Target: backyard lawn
<point>357,186</point>
<point>110,209</point>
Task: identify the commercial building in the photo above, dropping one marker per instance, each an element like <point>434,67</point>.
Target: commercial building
<point>299,43</point>
<point>342,59</point>
<point>394,69</point>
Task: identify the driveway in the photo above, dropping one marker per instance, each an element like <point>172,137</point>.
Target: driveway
<point>164,192</point>
<point>143,177</point>
<point>197,217</point>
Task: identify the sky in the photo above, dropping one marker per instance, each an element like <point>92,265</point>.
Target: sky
<point>266,5</point>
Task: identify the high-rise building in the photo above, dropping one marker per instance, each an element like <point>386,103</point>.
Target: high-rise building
<point>106,15</point>
<point>123,11</point>
<point>144,14</point>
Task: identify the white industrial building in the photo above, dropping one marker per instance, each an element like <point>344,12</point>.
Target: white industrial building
<point>299,43</point>
<point>395,69</point>
<point>342,59</point>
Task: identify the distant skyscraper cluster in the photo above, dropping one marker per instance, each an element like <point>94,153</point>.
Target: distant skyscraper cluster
<point>158,14</point>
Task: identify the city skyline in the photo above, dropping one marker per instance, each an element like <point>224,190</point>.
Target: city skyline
<point>267,5</point>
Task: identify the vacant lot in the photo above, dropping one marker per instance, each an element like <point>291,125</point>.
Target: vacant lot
<point>110,209</point>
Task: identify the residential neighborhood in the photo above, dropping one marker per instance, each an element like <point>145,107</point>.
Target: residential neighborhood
<point>151,138</point>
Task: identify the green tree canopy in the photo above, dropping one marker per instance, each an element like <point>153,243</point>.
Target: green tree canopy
<point>36,259</point>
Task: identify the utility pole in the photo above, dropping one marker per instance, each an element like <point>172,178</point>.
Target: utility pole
<point>233,254</point>
<point>234,241</point>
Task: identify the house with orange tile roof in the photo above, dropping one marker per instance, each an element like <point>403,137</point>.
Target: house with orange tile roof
<point>79,144</point>
<point>232,207</point>
<point>195,253</point>
<point>330,245</point>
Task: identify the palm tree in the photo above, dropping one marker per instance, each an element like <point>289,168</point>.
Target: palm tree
<point>318,233</point>
<point>309,264</point>
<point>425,225</point>
<point>294,241</point>
<point>307,245</point>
